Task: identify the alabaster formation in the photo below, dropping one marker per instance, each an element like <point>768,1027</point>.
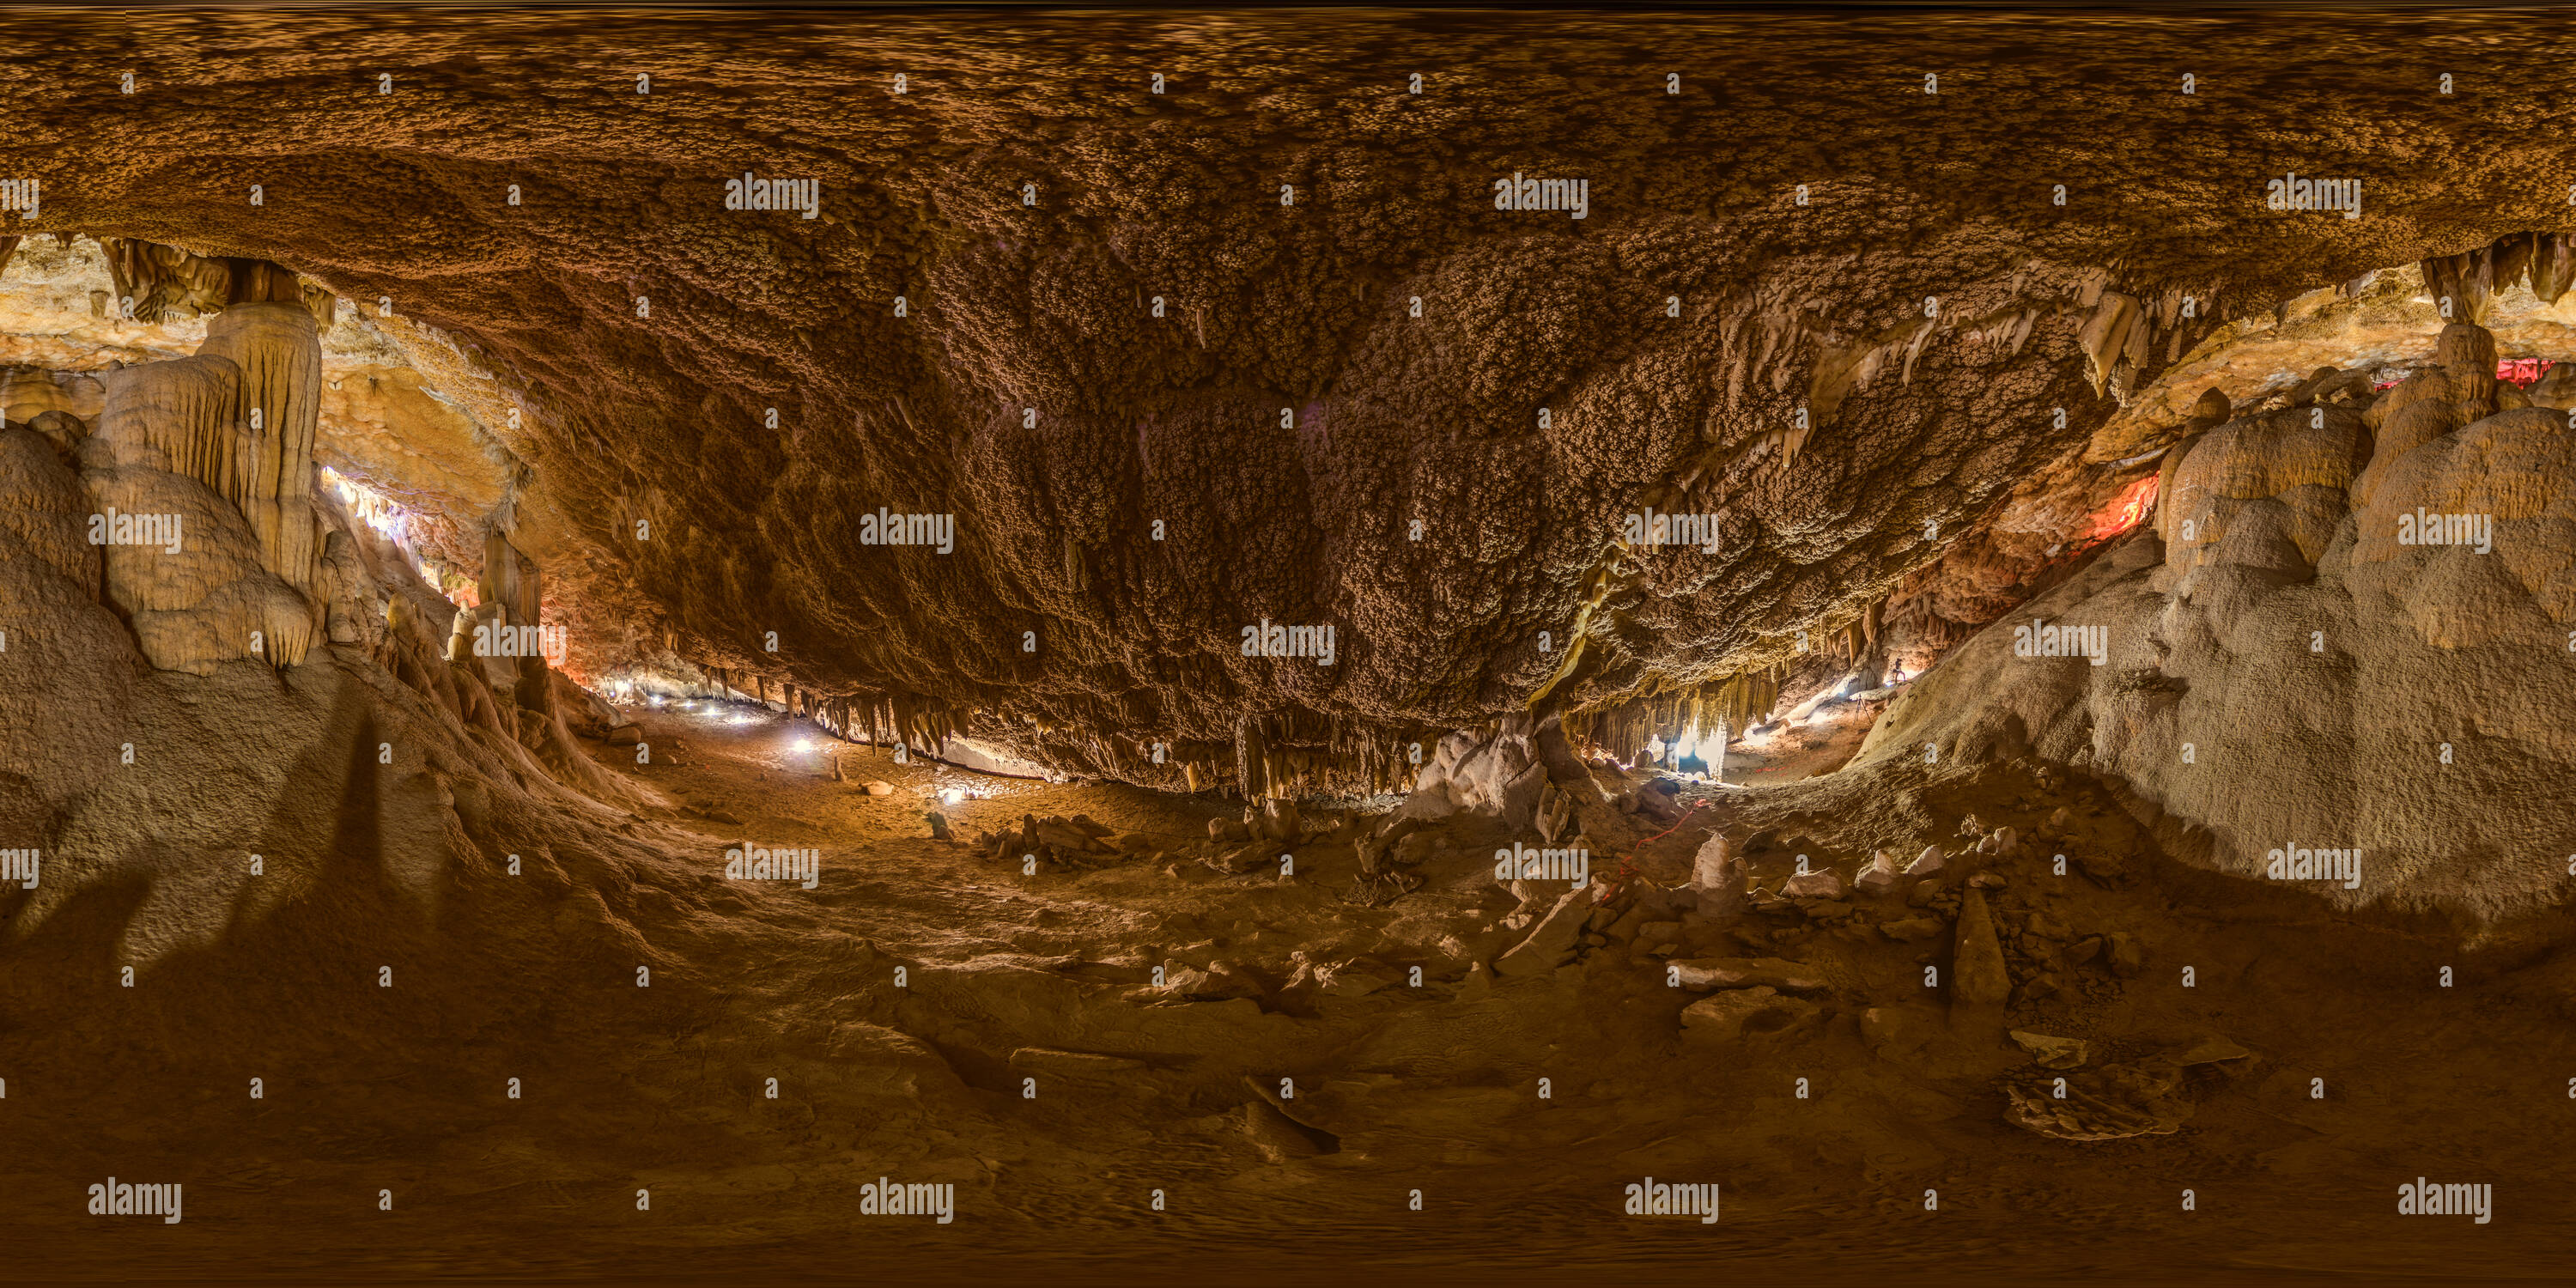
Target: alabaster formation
<point>185,570</point>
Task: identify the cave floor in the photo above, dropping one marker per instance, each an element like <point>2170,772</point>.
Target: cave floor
<point>386,1143</point>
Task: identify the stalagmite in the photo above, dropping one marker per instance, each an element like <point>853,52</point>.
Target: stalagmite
<point>1980,982</point>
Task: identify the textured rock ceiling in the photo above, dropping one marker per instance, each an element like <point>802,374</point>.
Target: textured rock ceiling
<point>1303,307</point>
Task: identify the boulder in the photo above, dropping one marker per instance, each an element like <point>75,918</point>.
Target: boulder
<point>1879,876</point>
<point>2102,865</point>
<point>1925,864</point>
<point>1564,768</point>
<point>2211,1050</point>
<point>1552,939</point>
<point>1555,815</point>
<point>1659,932</point>
<point>1427,804</point>
<point>1660,801</point>
<point>1912,929</point>
<point>1243,858</point>
<point>1062,836</point>
<point>2052,1052</point>
<point>1718,879</point>
<point>1280,821</point>
<point>1520,798</point>
<point>2114,1102</point>
<point>1708,974</point>
<point>2128,959</point>
<point>1813,885</point>
<point>1741,1014</point>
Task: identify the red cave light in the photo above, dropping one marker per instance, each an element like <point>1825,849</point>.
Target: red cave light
<point>2125,511</point>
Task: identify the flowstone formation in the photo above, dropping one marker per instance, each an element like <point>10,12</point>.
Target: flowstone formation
<point>220,446</point>
<point>2342,635</point>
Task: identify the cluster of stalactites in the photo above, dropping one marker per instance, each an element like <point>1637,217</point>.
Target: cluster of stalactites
<point>1293,754</point>
<point>2470,279</point>
<point>165,282</point>
<point>239,417</point>
<point>1852,642</point>
<point>1296,753</point>
<point>277,349</point>
<point>884,720</point>
<point>1689,713</point>
<point>1916,608</point>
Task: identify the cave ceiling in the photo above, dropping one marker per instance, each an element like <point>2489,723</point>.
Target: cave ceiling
<point>1444,489</point>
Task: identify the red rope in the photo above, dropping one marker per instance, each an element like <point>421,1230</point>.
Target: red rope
<point>1628,864</point>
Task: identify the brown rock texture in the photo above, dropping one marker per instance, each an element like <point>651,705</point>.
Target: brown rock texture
<point>1031,208</point>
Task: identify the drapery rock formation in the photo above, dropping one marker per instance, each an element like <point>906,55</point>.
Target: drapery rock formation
<point>214,459</point>
<point>274,347</point>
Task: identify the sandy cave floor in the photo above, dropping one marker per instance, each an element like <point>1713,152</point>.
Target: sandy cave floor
<point>1432,1088</point>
